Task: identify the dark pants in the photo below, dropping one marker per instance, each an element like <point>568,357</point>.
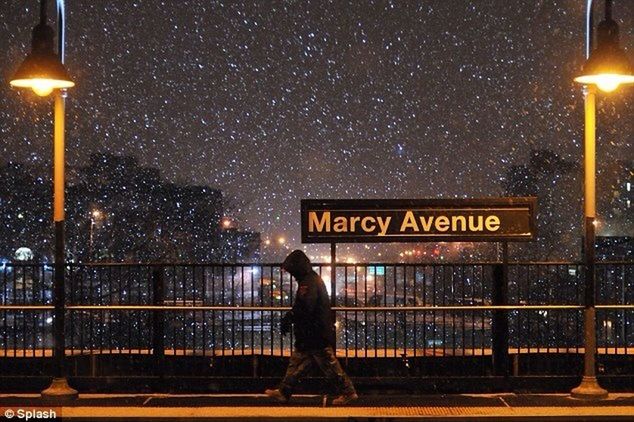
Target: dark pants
<point>325,360</point>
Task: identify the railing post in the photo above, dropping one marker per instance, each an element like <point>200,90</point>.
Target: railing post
<point>333,286</point>
<point>158,320</point>
<point>500,322</point>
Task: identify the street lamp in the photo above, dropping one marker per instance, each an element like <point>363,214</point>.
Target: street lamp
<point>94,216</point>
<point>43,71</point>
<point>606,68</point>
<point>226,223</point>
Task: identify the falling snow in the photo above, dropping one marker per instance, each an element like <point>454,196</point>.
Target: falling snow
<point>273,102</point>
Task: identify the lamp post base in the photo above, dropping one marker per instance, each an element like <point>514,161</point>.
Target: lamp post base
<point>589,389</point>
<point>59,390</point>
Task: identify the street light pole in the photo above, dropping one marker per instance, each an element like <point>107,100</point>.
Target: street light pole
<point>92,225</point>
<point>59,388</point>
<point>606,68</point>
<point>94,215</point>
<point>589,387</point>
<point>43,71</point>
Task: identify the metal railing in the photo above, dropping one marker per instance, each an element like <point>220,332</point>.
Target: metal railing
<point>403,311</point>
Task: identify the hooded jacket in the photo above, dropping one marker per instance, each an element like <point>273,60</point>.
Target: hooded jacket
<point>313,324</point>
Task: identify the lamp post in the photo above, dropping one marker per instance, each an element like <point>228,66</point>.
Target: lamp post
<point>606,68</point>
<point>94,215</point>
<point>43,71</point>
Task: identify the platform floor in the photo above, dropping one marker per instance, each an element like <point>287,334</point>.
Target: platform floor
<point>238,407</point>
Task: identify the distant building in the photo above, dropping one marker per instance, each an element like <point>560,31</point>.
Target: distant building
<point>117,210</point>
<point>26,210</point>
<point>556,184</point>
<point>616,200</point>
<point>240,246</point>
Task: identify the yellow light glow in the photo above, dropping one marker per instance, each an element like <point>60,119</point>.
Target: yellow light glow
<point>42,87</point>
<point>42,90</point>
<point>606,82</point>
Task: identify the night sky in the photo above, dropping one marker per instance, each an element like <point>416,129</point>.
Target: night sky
<point>273,102</point>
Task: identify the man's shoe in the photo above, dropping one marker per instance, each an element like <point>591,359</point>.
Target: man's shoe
<point>276,395</point>
<point>345,399</point>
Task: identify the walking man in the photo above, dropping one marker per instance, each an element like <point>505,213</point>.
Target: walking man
<point>314,331</point>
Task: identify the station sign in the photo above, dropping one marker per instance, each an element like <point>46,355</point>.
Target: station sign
<point>418,220</point>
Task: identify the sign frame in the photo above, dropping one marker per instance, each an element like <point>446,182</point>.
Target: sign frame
<point>527,204</point>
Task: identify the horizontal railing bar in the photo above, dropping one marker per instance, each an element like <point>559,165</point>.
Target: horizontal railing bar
<point>177,308</point>
<point>27,307</point>
<point>631,306</point>
<point>349,264</point>
<point>339,264</point>
<point>337,308</point>
<point>286,308</point>
<point>451,308</point>
<point>50,267</point>
<point>316,264</point>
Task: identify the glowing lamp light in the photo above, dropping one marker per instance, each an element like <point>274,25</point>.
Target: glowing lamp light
<point>42,87</point>
<point>42,71</point>
<point>606,82</point>
<point>608,66</point>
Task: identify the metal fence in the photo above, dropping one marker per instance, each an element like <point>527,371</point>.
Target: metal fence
<point>404,311</point>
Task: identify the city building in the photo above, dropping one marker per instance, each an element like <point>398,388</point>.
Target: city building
<point>118,210</point>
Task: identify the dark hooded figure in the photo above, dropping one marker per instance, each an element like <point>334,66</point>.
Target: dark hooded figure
<point>311,317</point>
<point>314,331</point>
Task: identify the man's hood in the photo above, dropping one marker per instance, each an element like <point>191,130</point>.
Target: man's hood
<point>297,263</point>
